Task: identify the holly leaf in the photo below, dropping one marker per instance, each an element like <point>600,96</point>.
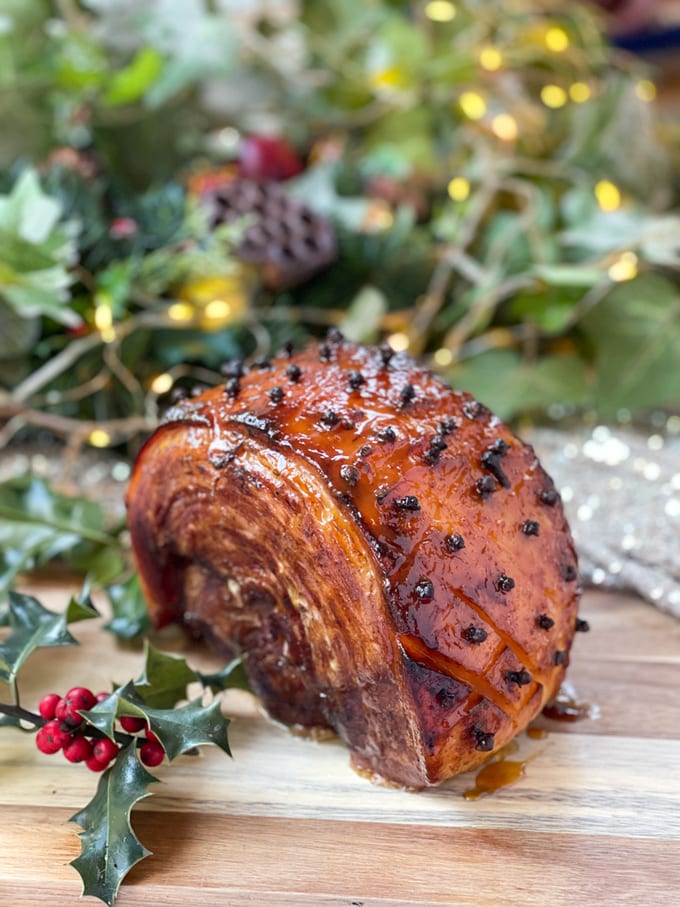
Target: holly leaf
<point>37,525</point>
<point>34,627</point>
<point>192,725</point>
<point>130,615</point>
<point>109,845</point>
<point>179,730</point>
<point>231,677</point>
<point>164,680</point>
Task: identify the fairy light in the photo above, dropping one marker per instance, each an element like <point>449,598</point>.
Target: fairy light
<point>553,96</point>
<point>440,11</point>
<point>505,127</point>
<point>458,189</point>
<point>218,310</point>
<point>181,311</point>
<point>624,268</point>
<point>490,58</point>
<point>472,104</point>
<point>103,321</point>
<point>645,89</point>
<point>556,39</point>
<point>443,357</point>
<point>99,438</point>
<point>608,195</point>
<point>388,79</point>
<point>399,341</point>
<point>580,92</point>
<point>162,383</point>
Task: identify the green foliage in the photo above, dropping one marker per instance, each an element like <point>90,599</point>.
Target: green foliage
<point>36,251</point>
<point>373,96</point>
<point>635,331</point>
<point>37,525</point>
<point>109,845</point>
<point>33,627</point>
<point>232,676</point>
<point>164,680</point>
<point>511,386</point>
<point>130,617</point>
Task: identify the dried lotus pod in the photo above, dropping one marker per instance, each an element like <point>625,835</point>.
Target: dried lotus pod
<point>392,558</point>
<point>286,240</point>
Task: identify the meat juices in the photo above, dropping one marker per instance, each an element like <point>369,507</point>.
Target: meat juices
<point>394,562</point>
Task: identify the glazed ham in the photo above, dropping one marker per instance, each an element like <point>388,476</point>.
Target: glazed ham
<point>393,562</point>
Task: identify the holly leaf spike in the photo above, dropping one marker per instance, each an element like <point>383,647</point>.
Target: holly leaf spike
<point>34,627</point>
<point>164,680</point>
<point>192,725</point>
<point>109,845</point>
<point>232,676</point>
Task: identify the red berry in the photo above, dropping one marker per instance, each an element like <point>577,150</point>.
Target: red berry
<point>51,737</point>
<point>79,749</point>
<point>151,754</point>
<point>122,227</point>
<point>152,738</point>
<point>104,750</point>
<point>100,697</point>
<point>81,695</point>
<point>48,704</point>
<point>263,157</point>
<point>131,724</point>
<point>77,699</point>
<point>94,765</point>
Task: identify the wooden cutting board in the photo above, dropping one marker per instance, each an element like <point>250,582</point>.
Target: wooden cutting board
<point>595,820</point>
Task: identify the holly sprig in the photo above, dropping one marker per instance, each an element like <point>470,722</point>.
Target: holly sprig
<point>120,734</point>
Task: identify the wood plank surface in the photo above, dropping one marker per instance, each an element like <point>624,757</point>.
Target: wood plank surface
<point>595,819</point>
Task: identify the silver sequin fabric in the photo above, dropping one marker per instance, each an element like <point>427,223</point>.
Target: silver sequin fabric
<point>621,493</point>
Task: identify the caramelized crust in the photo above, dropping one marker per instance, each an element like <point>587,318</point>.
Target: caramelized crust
<point>393,560</point>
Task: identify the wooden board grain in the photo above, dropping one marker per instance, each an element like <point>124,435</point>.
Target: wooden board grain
<point>596,819</point>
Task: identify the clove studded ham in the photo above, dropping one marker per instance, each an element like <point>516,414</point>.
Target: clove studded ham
<point>394,562</point>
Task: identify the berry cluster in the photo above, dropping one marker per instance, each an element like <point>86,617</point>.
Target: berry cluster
<point>65,729</point>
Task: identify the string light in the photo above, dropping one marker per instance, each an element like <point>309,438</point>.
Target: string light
<point>443,357</point>
<point>390,78</point>
<point>440,11</point>
<point>162,383</point>
<point>181,311</point>
<point>490,58</point>
<point>556,39</point>
<point>553,96</point>
<point>472,104</point>
<point>99,438</point>
<point>579,92</point>
<point>458,189</point>
<point>217,310</point>
<point>103,321</point>
<point>624,268</point>
<point>645,89</point>
<point>505,127</point>
<point>399,342</point>
<point>608,195</point>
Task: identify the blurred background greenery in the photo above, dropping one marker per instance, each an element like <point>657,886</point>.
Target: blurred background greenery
<point>490,185</point>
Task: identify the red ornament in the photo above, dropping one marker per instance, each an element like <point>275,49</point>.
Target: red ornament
<point>265,158</point>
